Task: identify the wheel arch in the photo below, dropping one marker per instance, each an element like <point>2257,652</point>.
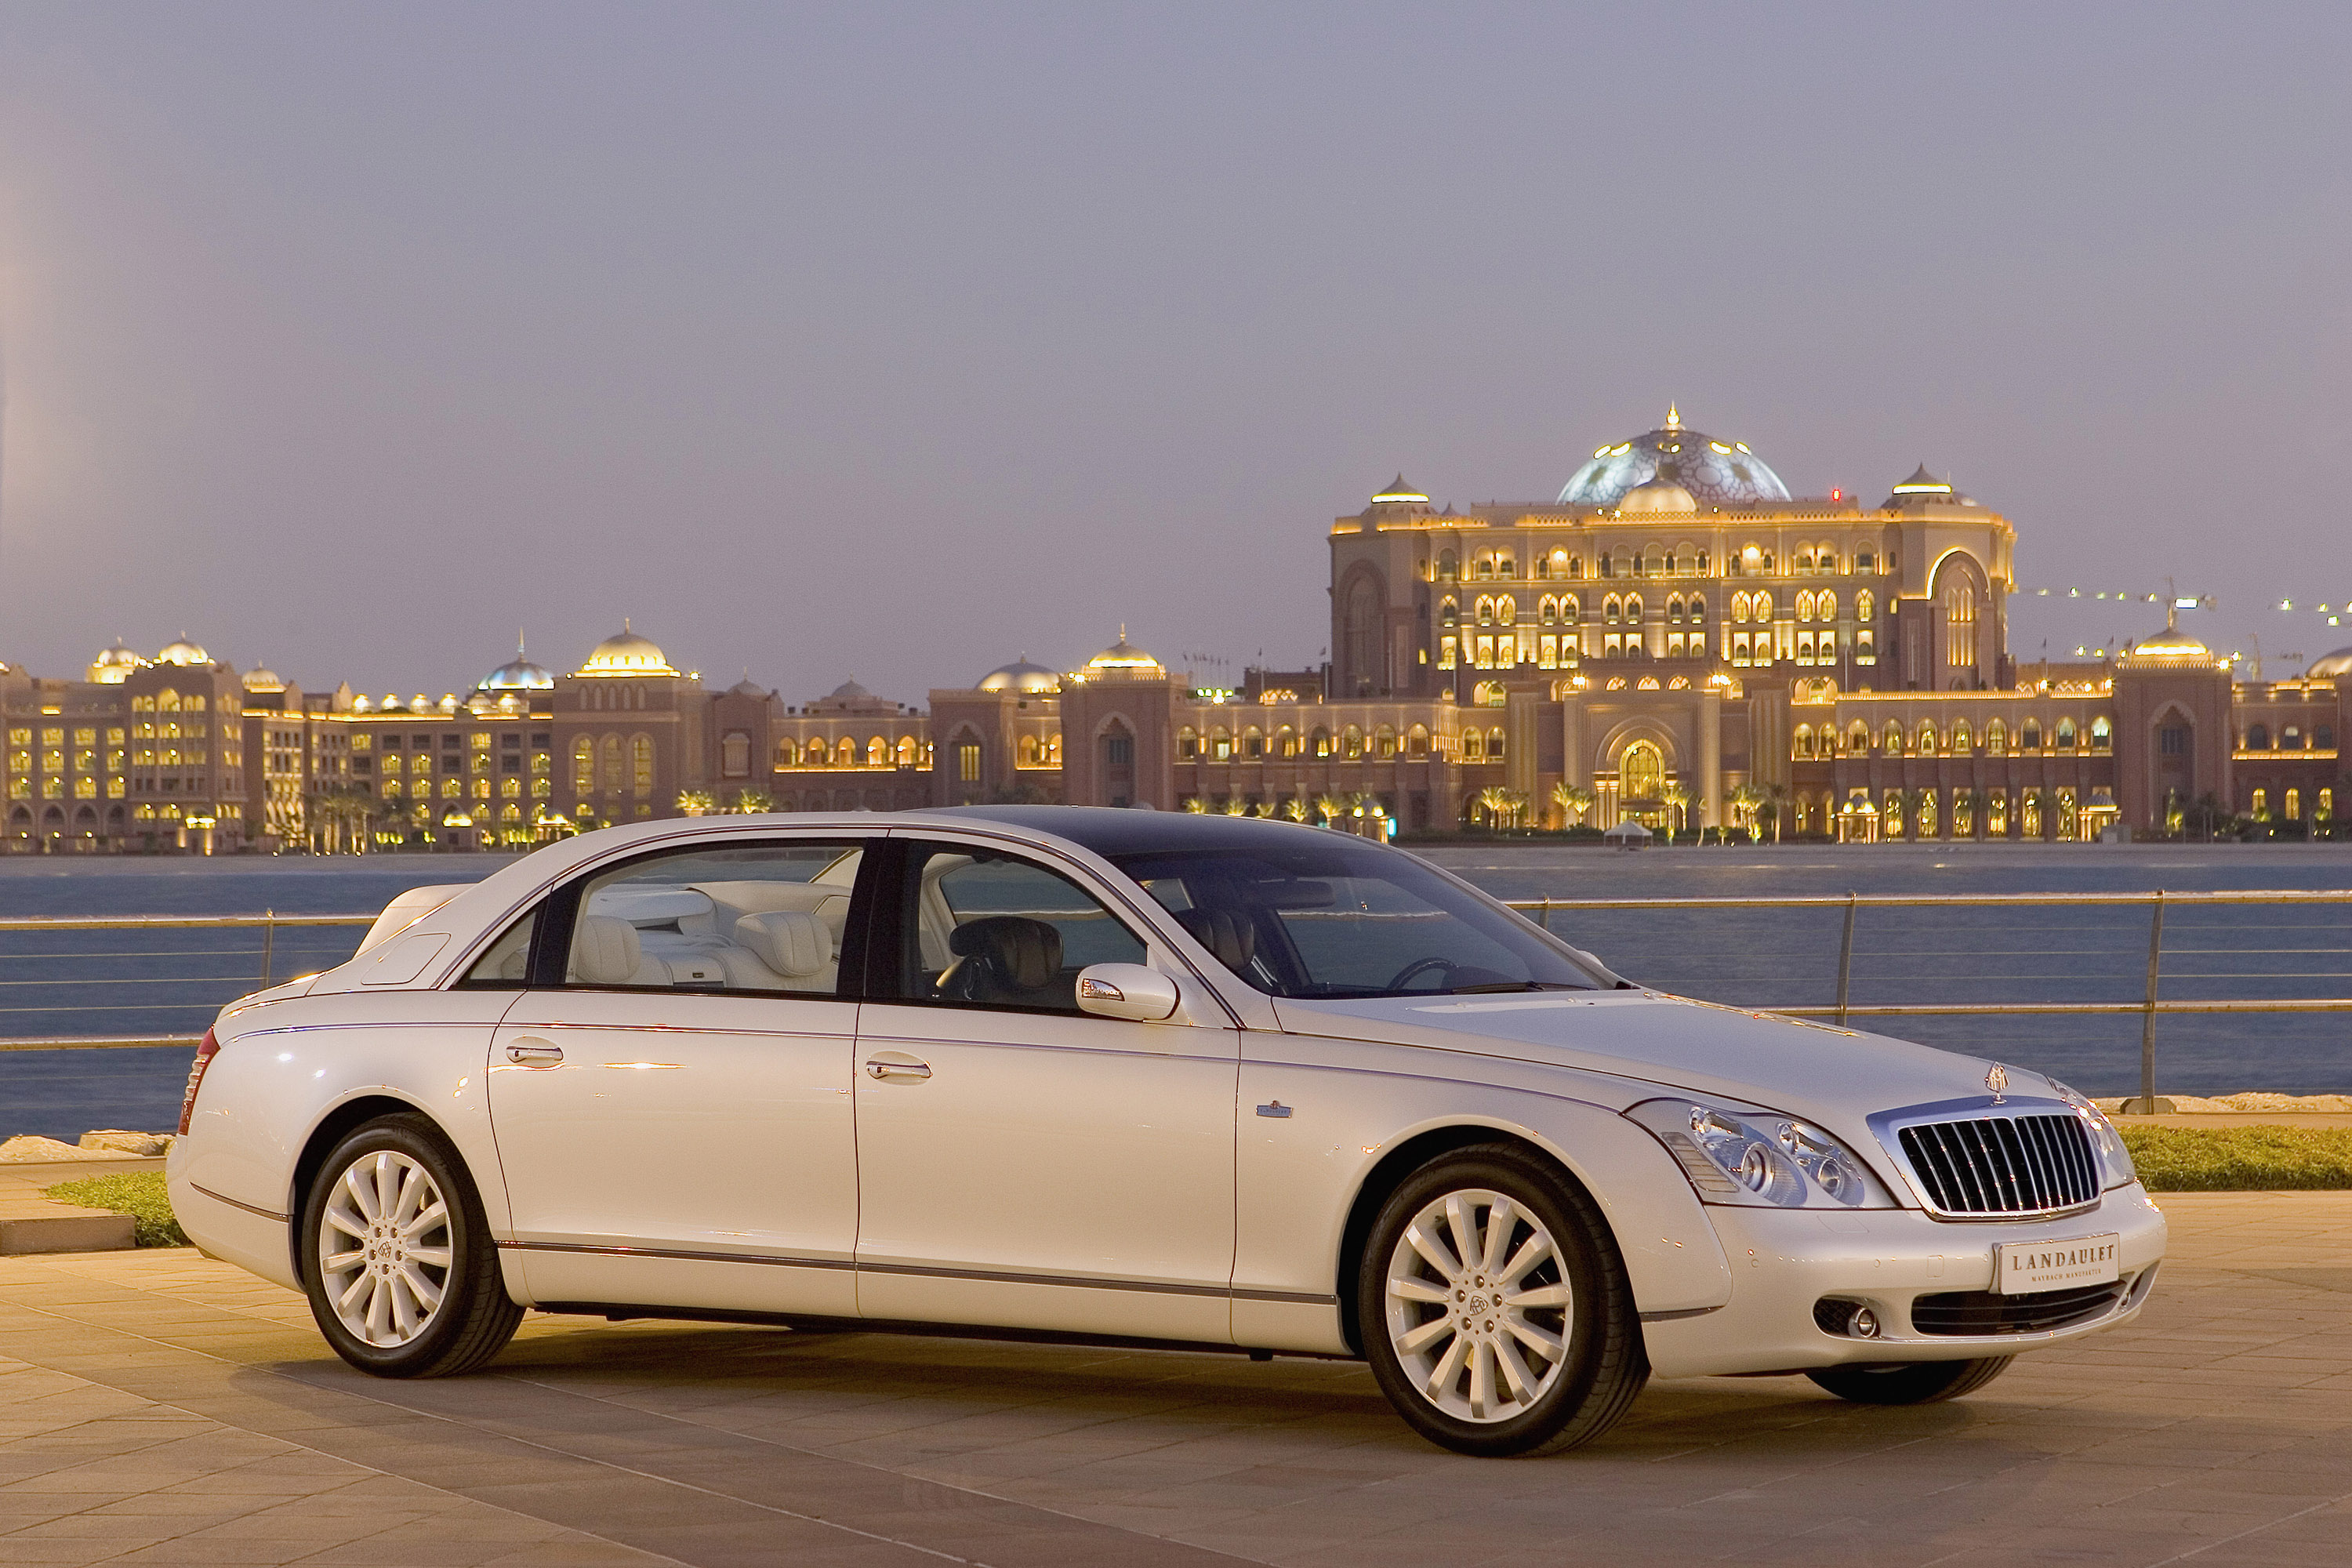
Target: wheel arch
<point>1390,1172</point>
<point>339,1121</point>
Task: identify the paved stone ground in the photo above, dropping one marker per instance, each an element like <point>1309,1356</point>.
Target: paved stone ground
<point>155,1408</point>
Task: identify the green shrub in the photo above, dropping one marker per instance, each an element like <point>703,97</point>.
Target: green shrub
<point>2241,1159</point>
<point>138,1194</point>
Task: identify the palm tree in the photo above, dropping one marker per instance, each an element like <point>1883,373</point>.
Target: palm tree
<point>1911,802</point>
<point>696,802</point>
<point>2044,801</point>
<point>1677,796</point>
<point>749,802</point>
<point>1573,800</point>
<point>1747,801</point>
<point>1296,808</point>
<point>1493,800</point>
<point>1195,804</point>
<point>1776,795</point>
<point>1235,805</point>
<point>1265,808</point>
<point>1331,808</point>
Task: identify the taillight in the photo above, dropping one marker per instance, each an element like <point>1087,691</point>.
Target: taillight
<point>206,1048</point>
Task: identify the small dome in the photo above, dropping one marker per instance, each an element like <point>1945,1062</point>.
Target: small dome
<point>2168,649</point>
<point>1718,473</point>
<point>1123,657</point>
<point>2331,667</point>
<point>1022,676</point>
<point>626,654</point>
<point>1924,488</point>
<point>113,665</point>
<point>519,674</point>
<point>1398,492</point>
<point>1659,494</point>
<point>848,692</point>
<point>263,679</point>
<point>183,652</point>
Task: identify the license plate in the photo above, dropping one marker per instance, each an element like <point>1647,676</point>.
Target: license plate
<point>2021,1268</point>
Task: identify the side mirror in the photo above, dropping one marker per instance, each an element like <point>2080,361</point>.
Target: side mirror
<point>1128,991</point>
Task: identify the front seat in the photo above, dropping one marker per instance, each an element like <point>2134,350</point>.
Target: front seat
<point>1004,959</point>
<point>1231,938</point>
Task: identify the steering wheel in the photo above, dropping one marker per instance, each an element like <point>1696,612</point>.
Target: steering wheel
<point>1417,966</point>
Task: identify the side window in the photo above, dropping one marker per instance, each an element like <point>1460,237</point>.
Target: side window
<point>757,918</point>
<point>507,966</point>
<point>987,930</point>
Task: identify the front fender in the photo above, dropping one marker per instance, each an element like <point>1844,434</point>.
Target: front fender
<point>1350,1105</point>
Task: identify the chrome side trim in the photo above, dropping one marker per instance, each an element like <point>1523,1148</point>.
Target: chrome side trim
<point>1294,1297</point>
<point>1678,1317</point>
<point>265,1213</point>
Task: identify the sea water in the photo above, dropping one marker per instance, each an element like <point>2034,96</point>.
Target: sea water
<point>172,982</point>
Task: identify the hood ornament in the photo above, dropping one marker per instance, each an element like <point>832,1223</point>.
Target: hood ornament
<point>1996,1080</point>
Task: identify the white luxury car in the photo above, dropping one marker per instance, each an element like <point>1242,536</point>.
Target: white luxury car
<point>1136,1077</point>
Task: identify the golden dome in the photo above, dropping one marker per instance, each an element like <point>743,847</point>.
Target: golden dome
<point>113,666</point>
<point>1123,657</point>
<point>627,653</point>
<point>183,652</point>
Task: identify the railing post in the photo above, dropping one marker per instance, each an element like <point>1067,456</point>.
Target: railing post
<point>2147,1104</point>
<point>268,944</point>
<point>1845,955</point>
<point>1546,919</point>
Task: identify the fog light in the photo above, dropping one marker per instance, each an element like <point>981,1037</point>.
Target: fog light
<point>1864,1324</point>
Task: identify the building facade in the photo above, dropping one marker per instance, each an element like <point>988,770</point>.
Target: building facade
<point>1674,640</point>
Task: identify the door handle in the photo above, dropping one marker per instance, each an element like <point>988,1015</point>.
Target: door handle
<point>882,1067</point>
<point>535,1054</point>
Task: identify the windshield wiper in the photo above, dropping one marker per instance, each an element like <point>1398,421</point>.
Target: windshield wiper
<point>1511,985</point>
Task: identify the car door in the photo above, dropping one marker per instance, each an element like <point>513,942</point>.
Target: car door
<point>1022,1163</point>
<point>672,1098</point>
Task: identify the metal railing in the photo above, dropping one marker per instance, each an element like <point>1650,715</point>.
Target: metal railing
<point>2148,1008</point>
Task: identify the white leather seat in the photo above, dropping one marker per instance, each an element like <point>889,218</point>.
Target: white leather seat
<point>605,952</point>
<point>780,949</point>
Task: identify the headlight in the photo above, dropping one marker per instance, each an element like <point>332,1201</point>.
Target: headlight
<point>2120,1170</point>
<point>1759,1158</point>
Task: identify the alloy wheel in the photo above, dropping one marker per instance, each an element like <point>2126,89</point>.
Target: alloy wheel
<point>1477,1306</point>
<point>386,1248</point>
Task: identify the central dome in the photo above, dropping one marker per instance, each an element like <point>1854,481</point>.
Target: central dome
<point>1024,676</point>
<point>1716,473</point>
<point>626,654</point>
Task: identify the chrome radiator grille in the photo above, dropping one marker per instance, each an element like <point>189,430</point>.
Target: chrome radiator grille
<point>1999,1166</point>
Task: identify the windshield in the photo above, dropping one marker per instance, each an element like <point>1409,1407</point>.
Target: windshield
<point>1342,919</point>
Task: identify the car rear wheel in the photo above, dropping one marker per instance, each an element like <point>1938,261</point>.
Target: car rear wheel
<point>1910,1383</point>
<point>397,1258</point>
<point>1494,1308</point>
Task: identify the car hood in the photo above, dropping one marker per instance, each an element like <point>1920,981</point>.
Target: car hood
<point>1826,1074</point>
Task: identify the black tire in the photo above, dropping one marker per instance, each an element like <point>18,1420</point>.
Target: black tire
<point>1602,1365</point>
<point>474,1319</point>
<point>1909,1383</point>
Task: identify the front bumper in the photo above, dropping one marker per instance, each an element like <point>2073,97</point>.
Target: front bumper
<point>1783,1261</point>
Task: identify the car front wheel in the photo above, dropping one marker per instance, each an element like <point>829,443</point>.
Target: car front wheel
<point>397,1259</point>
<point>1494,1308</point>
<point>1910,1383</point>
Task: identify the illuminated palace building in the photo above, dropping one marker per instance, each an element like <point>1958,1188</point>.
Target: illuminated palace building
<point>1675,639</point>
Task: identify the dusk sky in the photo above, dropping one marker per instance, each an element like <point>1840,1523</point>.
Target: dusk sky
<point>893,341</point>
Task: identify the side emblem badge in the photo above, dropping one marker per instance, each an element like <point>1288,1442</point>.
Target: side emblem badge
<point>1276,1110</point>
<point>1996,1080</point>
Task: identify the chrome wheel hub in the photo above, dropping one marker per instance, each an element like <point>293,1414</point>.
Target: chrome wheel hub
<point>1477,1306</point>
<point>386,1248</point>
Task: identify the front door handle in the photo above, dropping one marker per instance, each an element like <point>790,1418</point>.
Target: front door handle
<point>535,1054</point>
<point>902,1066</point>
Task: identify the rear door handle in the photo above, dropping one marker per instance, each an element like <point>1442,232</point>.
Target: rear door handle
<point>535,1054</point>
<point>906,1067</point>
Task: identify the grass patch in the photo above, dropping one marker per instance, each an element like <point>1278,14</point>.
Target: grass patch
<point>138,1194</point>
<point>2241,1159</point>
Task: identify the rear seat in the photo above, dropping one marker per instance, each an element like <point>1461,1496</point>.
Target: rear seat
<point>739,936</point>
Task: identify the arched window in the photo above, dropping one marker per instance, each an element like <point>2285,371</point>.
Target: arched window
<point>1286,741</point>
<point>1416,741</point>
<point>1449,613</point>
<point>1803,748</point>
<point>1447,568</point>
<point>1698,611</point>
<point>1561,564</point>
<point>1495,744</point>
<point>1633,607</point>
<point>2102,734</point>
<point>1486,611</point>
<point>1188,745</point>
<point>1751,561</point>
<point>1507,609</point>
<point>1653,564</point>
<point>1864,605</point>
<point>2258,738</point>
<point>1804,566</point>
<point>1927,738</point>
<point>1320,743</point>
<point>1027,754</point>
<point>1857,738</point>
<point>1865,560</point>
<point>2290,739</point>
<point>1485,566</point>
<point>1576,565</point>
<point>1996,739</point>
<point>1384,743</point>
<point>878,753</point>
<point>1805,608</point>
<point>608,765</point>
<point>1548,611</point>
<point>1253,743</point>
<point>1960,624</point>
<point>1570,608</point>
<point>641,764</point>
<point>1641,772</point>
<point>1489,694</point>
<point>1738,609</point>
<point>1221,745</point>
<point>1963,738</point>
<point>1825,604</point>
<point>1611,607</point>
<point>2324,737</point>
<point>2029,738</point>
<point>844,753</point>
<point>1760,607</point>
<point>2066,734</point>
<point>584,765</point>
<point>1892,742</point>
